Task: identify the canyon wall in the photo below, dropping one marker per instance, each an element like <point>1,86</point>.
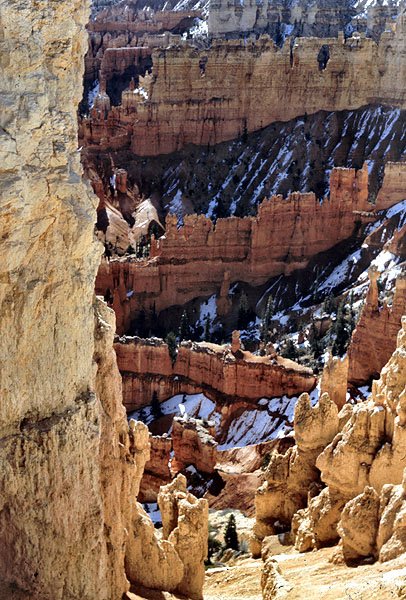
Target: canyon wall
<point>217,94</point>
<point>146,367</point>
<point>201,257</point>
<point>53,488</point>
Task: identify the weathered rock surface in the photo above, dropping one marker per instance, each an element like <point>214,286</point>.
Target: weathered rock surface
<point>193,444</point>
<point>197,259</point>
<point>194,95</point>
<point>146,368</point>
<point>185,525</point>
<point>156,471</point>
<point>65,451</point>
<point>290,477</point>
<point>374,339</point>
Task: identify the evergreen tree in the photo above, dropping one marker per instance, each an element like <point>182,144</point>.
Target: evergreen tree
<point>170,341</point>
<point>267,318</point>
<point>290,351</point>
<point>243,311</point>
<point>316,345</point>
<point>207,329</point>
<point>341,330</point>
<point>230,534</point>
<point>155,406</point>
<point>184,327</point>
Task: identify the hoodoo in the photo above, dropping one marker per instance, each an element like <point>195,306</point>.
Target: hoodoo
<point>203,300</point>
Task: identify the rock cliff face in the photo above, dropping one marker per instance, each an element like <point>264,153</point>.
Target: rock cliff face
<point>199,257</point>
<point>374,338</point>
<point>315,18</point>
<point>194,96</point>
<point>52,486</point>
<point>70,465</point>
<point>363,470</point>
<point>146,367</point>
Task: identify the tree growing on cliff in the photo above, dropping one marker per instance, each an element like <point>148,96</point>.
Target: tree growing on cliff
<point>185,332</point>
<point>267,318</point>
<point>290,351</point>
<point>342,328</point>
<point>170,341</point>
<point>230,534</point>
<point>207,329</point>
<point>156,407</point>
<point>243,311</point>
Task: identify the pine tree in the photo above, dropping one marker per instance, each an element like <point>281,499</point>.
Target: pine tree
<point>207,329</point>
<point>267,318</point>
<point>155,406</point>
<point>170,341</point>
<point>243,311</point>
<point>290,351</point>
<point>184,327</point>
<point>230,534</point>
<point>341,329</point>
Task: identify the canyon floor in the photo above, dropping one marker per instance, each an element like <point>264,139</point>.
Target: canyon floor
<point>312,577</point>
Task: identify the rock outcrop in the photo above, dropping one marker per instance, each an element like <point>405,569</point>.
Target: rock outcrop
<point>65,448</point>
<point>147,367</point>
<point>194,96</point>
<point>199,258</point>
<point>193,444</point>
<point>291,477</point>
<point>374,338</point>
<point>185,525</point>
<point>365,459</point>
<point>156,471</point>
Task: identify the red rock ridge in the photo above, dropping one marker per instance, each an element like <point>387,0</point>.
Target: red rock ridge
<point>201,257</point>
<point>146,367</point>
<point>213,95</point>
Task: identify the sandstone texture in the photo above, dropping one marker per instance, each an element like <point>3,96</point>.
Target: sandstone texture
<point>374,338</point>
<point>55,497</point>
<point>193,444</point>
<point>290,477</point>
<point>363,470</point>
<point>201,258</point>
<point>185,525</point>
<point>146,367</point>
<point>194,96</point>
<point>156,471</point>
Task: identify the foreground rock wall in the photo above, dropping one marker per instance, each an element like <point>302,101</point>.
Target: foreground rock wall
<point>199,258</point>
<point>65,459</point>
<point>146,367</point>
<point>216,94</point>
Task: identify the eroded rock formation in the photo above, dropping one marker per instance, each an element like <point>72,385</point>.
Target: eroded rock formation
<point>291,477</point>
<point>55,484</point>
<point>199,258</point>
<point>363,470</point>
<point>374,338</point>
<point>185,525</point>
<point>194,95</point>
<point>147,367</point>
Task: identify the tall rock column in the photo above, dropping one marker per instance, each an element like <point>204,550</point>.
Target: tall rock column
<point>53,541</point>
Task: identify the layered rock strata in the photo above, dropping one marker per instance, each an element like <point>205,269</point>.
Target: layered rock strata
<point>147,367</point>
<point>200,258</point>
<point>195,97</point>
<point>374,339</point>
